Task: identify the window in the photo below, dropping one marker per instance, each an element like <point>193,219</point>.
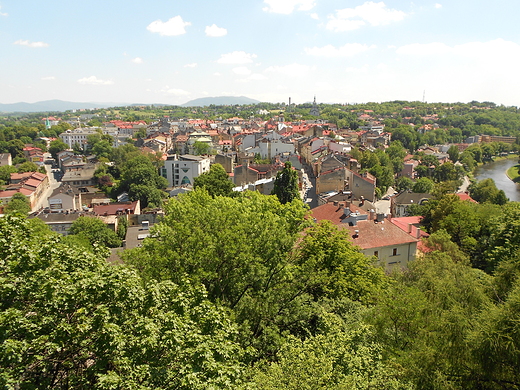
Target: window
<point>376,254</point>
<point>394,252</point>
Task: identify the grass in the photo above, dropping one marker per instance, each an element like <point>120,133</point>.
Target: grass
<point>513,173</point>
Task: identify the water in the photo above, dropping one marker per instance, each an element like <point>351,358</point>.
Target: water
<point>497,171</point>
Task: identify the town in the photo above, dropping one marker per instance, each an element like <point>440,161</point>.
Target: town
<point>333,164</point>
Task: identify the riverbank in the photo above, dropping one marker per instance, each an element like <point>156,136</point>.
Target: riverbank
<point>503,172</point>
<point>513,173</point>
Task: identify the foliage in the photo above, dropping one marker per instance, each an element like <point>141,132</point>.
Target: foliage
<point>69,320</point>
<point>486,191</point>
<point>142,181</point>
<point>18,204</point>
<point>57,146</point>
<point>336,267</point>
<point>286,184</point>
<point>423,185</point>
<point>200,148</point>
<point>95,231</point>
<point>216,181</point>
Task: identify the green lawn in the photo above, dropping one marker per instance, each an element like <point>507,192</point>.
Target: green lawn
<point>513,173</point>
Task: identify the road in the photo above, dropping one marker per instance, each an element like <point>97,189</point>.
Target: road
<point>54,183</point>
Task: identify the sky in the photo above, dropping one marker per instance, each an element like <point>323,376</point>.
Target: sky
<point>339,51</point>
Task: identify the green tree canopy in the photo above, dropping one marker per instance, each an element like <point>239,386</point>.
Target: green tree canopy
<point>286,184</point>
<point>95,231</point>
<point>18,204</point>
<point>70,320</point>
<point>216,181</point>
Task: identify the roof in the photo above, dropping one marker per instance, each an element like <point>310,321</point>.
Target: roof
<point>115,208</point>
<point>465,196</point>
<point>371,234</point>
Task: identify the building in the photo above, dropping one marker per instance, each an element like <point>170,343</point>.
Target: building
<point>375,235</point>
<point>77,136</point>
<point>182,170</point>
<point>400,204</point>
<point>5,159</point>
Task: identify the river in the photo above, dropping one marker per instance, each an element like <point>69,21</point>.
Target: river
<point>497,171</point>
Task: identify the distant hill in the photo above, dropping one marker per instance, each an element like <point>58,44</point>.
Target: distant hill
<point>220,101</point>
<point>54,105</point>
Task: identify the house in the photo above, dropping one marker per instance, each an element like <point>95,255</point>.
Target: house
<point>77,136</point>
<point>372,233</point>
<point>59,222</point>
<point>80,177</point>
<point>250,173</point>
<point>65,197</point>
<point>400,204</point>
<point>5,159</point>
<point>31,184</point>
<point>182,170</point>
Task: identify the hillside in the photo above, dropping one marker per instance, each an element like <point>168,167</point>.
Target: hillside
<point>53,105</point>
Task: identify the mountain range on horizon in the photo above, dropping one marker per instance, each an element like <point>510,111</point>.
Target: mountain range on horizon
<point>61,105</point>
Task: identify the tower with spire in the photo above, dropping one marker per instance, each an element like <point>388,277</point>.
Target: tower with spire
<point>315,111</point>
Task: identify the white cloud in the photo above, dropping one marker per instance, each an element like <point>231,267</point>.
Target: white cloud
<point>137,60</point>
<point>192,65</point>
<point>48,78</point>
<point>237,58</point>
<point>288,6</point>
<point>241,70</point>
<point>174,26</point>
<point>257,76</point>
<point>93,80</point>
<point>253,77</point>
<point>3,13</point>
<point>348,50</point>
<point>175,91</point>
<point>374,14</point>
<point>422,49</point>
<point>23,42</point>
<point>215,31</point>
<point>292,70</point>
<point>315,16</point>
<point>438,5</point>
<point>217,74</point>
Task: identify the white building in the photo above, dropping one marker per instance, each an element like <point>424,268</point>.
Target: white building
<point>79,136</point>
<point>182,170</point>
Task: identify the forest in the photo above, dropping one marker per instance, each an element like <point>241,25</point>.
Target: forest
<point>242,291</point>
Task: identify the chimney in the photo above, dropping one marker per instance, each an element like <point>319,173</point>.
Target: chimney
<point>336,203</point>
<point>371,215</point>
<point>418,233</point>
<point>410,226</point>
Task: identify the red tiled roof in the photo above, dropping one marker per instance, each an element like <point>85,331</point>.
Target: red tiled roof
<point>464,196</point>
<point>114,208</point>
<point>370,234</point>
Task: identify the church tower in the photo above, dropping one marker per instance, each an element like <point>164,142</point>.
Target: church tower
<point>315,111</point>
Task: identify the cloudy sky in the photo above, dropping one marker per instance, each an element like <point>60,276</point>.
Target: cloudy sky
<point>341,51</point>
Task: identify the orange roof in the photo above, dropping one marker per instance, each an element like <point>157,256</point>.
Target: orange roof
<point>370,234</point>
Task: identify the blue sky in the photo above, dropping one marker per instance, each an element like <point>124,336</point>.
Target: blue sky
<point>341,51</point>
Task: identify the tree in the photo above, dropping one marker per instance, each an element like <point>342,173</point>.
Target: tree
<point>19,204</point>
<point>57,146</point>
<point>27,167</point>
<point>216,181</point>
<point>423,185</point>
<point>70,320</point>
<point>286,184</point>
<point>200,148</point>
<point>95,231</point>
<point>142,181</point>
<point>453,152</point>
<point>487,191</point>
<point>403,183</point>
<point>230,246</point>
